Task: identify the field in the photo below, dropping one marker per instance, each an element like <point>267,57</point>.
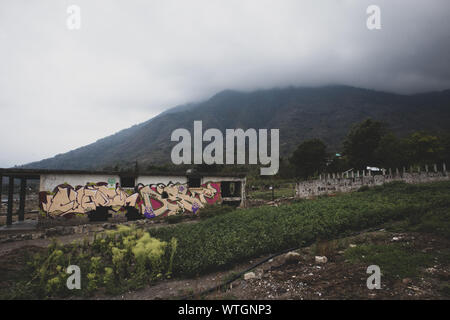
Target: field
<point>128,259</point>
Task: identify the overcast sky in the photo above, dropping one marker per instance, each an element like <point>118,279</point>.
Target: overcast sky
<point>61,89</point>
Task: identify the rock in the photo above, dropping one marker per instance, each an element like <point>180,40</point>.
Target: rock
<point>406,281</point>
<point>321,259</point>
<point>352,245</point>
<point>249,275</point>
<point>51,232</point>
<point>35,236</point>
<point>27,236</point>
<point>430,270</point>
<point>396,238</point>
<point>291,257</point>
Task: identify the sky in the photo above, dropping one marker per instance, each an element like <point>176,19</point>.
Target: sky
<point>63,88</point>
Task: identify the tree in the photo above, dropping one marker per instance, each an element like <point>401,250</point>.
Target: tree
<point>309,158</point>
<point>424,148</point>
<point>337,164</point>
<point>362,141</point>
<point>391,152</point>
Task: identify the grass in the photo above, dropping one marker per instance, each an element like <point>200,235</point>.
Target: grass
<point>394,260</point>
<point>436,221</point>
<point>267,194</point>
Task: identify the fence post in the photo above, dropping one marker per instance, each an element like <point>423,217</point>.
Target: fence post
<point>1,189</point>
<point>10,201</point>
<point>23,186</point>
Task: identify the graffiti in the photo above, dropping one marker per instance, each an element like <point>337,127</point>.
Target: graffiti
<point>151,201</point>
<point>172,198</point>
<point>68,201</point>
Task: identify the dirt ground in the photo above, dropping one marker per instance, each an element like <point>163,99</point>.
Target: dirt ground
<point>340,279</point>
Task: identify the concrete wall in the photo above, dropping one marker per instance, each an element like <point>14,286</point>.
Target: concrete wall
<point>146,180</point>
<point>333,183</point>
<point>243,195</point>
<point>50,181</point>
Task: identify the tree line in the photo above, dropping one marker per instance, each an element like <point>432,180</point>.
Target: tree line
<point>368,143</point>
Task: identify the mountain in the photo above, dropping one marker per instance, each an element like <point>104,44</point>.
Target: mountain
<point>300,113</point>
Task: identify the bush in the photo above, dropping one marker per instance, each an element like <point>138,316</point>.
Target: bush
<point>215,210</point>
<point>120,260</point>
<point>174,219</point>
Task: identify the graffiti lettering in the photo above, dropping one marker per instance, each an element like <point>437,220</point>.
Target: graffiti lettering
<point>152,200</point>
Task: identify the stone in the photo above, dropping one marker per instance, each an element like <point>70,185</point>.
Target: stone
<point>406,281</point>
<point>321,259</point>
<point>291,257</point>
<point>51,232</point>
<point>35,236</point>
<point>249,275</point>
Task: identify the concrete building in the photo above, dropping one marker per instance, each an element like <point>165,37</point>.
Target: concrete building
<point>98,195</point>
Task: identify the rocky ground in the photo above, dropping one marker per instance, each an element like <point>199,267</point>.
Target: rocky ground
<point>304,275</point>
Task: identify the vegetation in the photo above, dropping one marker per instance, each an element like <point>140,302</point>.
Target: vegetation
<point>362,142</point>
<point>309,158</point>
<point>395,260</point>
<point>120,260</point>
<point>370,143</point>
<point>128,258</point>
<point>283,191</point>
<point>243,234</point>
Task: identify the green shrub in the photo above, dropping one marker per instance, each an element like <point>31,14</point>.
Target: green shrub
<point>174,219</point>
<point>215,210</point>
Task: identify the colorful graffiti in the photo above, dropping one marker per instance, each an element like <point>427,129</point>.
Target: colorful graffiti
<point>169,199</point>
<point>151,201</point>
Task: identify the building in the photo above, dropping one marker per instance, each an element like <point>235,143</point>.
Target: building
<point>98,195</point>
